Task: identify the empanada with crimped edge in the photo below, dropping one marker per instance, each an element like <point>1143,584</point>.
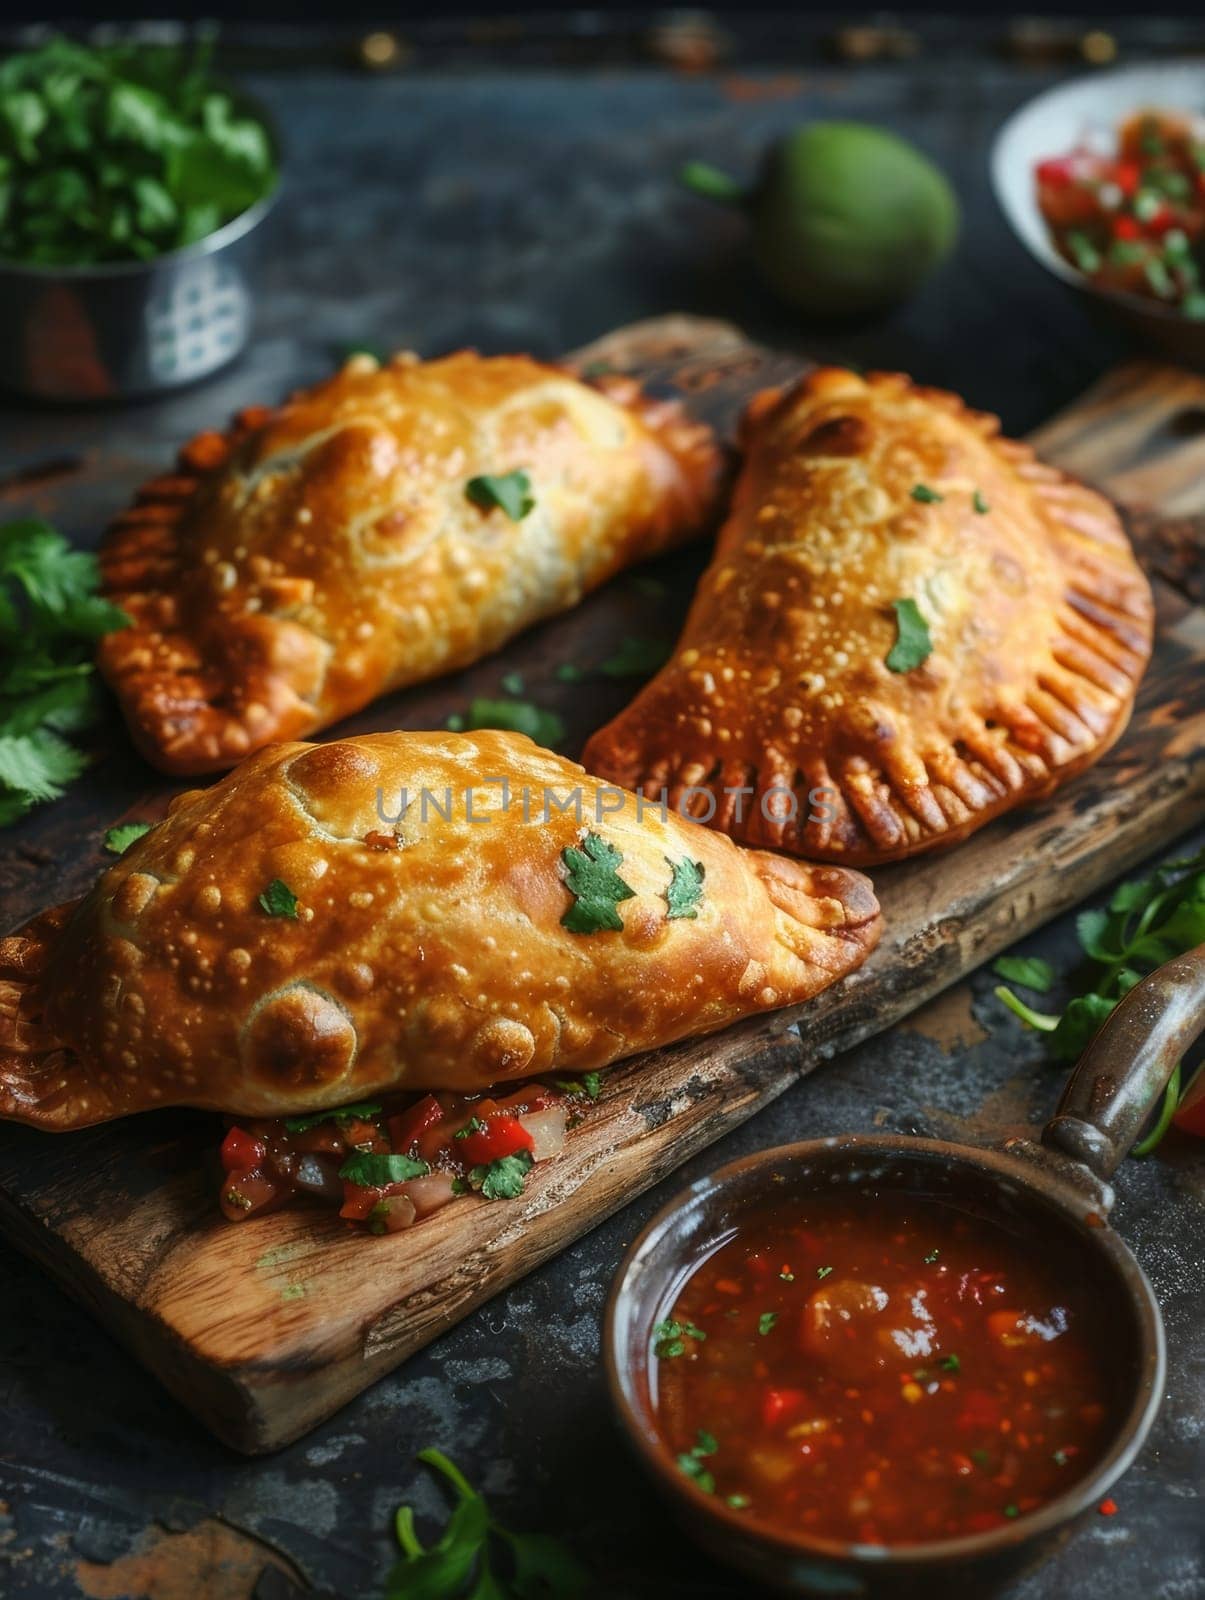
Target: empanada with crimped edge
<point>322,553</point>
<point>778,719</point>
<point>427,953</point>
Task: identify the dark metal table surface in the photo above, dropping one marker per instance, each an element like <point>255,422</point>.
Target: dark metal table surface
<point>476,199</point>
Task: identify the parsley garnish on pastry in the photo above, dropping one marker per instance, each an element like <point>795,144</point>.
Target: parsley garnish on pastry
<point>391,524</point>
<point>910,625</point>
<point>257,952</point>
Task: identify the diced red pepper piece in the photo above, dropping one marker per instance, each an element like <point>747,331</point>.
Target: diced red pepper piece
<point>503,1135</point>
<point>240,1152</point>
<point>779,1404</point>
<point>1127,175</point>
<point>1125,227</point>
<point>1058,171</point>
<point>407,1126</point>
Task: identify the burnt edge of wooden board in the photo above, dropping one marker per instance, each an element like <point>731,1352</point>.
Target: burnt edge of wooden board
<point>124,1216</point>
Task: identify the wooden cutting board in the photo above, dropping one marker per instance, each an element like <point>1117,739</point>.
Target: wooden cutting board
<point>264,1328</point>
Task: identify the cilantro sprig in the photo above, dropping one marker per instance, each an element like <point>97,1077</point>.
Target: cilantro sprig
<point>120,153</point>
<point>466,1561</point>
<point>1147,921</point>
<point>378,1171</point>
<point>50,619</point>
<point>670,1336</point>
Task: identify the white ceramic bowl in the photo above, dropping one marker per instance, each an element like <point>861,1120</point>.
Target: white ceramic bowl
<point>1089,110</point>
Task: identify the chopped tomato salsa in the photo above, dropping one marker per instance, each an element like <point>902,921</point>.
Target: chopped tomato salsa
<point>881,1369</point>
<point>1134,220</point>
<point>389,1163</point>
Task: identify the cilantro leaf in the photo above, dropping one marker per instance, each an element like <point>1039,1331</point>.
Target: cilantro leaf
<point>278,900</point>
<point>691,1461</point>
<point>568,673</point>
<point>377,1171</point>
<point>512,682</point>
<point>38,766</point>
<point>119,839</point>
<point>510,492</point>
<point>766,1321</point>
<point>364,1108</point>
<point>504,1178</point>
<point>1031,972</point>
<point>637,658</point>
<point>980,504</point>
<point>516,716</point>
<point>926,496</point>
<point>593,879</point>
<point>912,642</point>
<point>685,888</point>
<point>589,1084</point>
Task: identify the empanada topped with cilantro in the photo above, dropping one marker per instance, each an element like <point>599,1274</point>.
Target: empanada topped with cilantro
<point>391,524</point>
<point>910,625</point>
<point>402,911</point>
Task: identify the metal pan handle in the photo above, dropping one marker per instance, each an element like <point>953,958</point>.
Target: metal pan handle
<point>1126,1067</point>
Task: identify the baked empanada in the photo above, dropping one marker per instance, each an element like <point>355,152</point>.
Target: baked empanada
<point>373,532</point>
<point>909,626</point>
<point>280,943</point>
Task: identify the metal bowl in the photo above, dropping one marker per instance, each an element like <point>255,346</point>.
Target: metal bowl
<point>1090,108</point>
<point>128,329</point>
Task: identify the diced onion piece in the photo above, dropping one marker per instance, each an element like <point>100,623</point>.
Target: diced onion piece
<point>431,1192</point>
<point>392,1215</point>
<point>547,1130</point>
<point>319,1177</point>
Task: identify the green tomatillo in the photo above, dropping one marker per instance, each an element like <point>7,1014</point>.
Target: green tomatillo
<point>845,218</point>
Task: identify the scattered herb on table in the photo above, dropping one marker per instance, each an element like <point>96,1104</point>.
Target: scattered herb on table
<point>592,878</point>
<point>531,1566</point>
<point>912,642</point>
<point>278,900</point>
<point>514,716</point>
<point>1148,921</point>
<point>50,619</point>
<point>685,888</point>
<point>637,658</point>
<point>119,839</point>
<point>509,492</point>
<point>120,153</point>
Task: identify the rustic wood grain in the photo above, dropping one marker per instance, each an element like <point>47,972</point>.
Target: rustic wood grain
<point>265,1327</point>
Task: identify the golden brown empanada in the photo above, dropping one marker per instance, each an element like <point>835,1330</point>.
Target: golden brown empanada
<point>779,708</point>
<point>449,949</point>
<point>319,554</point>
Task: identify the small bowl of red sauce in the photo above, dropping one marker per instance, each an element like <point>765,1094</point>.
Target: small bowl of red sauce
<point>873,1364</point>
<point>1103,181</point>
